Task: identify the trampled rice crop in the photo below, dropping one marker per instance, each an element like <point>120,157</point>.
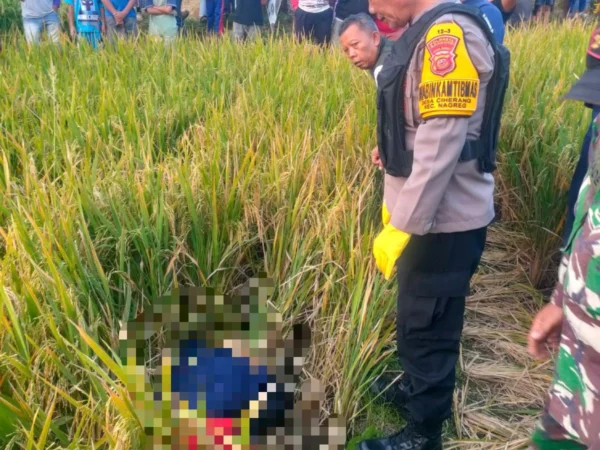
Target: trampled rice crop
<point>128,171</point>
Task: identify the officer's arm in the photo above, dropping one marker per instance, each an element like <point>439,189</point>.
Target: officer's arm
<point>441,136</point>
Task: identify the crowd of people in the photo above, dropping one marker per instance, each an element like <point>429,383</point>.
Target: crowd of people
<point>317,20</point>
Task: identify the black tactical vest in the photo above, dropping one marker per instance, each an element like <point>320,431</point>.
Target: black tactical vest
<point>391,123</point>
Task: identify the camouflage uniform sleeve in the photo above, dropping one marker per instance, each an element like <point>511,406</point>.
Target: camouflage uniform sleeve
<point>558,296</point>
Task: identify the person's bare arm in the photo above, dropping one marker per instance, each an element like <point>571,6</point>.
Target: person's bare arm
<point>159,10</point>
<point>103,19</point>
<point>71,16</point>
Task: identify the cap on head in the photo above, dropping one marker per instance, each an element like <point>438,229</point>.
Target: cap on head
<point>587,88</point>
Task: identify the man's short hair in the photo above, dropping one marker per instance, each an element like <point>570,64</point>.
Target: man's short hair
<point>362,21</point>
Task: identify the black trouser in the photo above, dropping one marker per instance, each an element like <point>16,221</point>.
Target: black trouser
<point>316,26</point>
<point>434,274</point>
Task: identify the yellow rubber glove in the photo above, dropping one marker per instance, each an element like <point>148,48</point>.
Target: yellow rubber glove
<point>385,215</point>
<point>388,247</point>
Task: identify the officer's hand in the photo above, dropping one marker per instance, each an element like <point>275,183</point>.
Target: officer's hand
<point>375,159</point>
<point>388,247</point>
<point>545,331</point>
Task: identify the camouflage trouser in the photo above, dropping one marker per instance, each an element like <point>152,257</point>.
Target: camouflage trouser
<point>550,435</point>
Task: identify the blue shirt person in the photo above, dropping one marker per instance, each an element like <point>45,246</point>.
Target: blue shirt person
<point>492,16</point>
<point>121,18</point>
<point>86,20</point>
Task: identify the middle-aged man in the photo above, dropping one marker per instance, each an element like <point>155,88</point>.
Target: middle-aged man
<point>362,43</point>
<point>437,143</point>
<point>571,321</point>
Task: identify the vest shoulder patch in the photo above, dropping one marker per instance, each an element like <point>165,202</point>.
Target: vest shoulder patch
<point>449,81</point>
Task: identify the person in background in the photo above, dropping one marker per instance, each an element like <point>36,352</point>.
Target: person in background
<point>87,21</point>
<point>571,321</point>
<point>367,49</point>
<point>312,20</point>
<point>492,16</point>
<point>40,15</point>
<point>248,19</point>
<point>522,13</point>
<point>181,16</point>
<point>506,7</point>
<point>121,19</point>
<point>363,44</point>
<point>345,9</point>
<point>543,10</point>
<point>576,7</point>
<point>214,16</point>
<point>163,19</point>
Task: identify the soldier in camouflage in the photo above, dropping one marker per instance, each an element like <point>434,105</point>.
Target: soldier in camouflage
<point>571,321</point>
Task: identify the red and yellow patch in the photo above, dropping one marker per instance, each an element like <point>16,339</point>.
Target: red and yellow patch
<point>449,82</point>
<point>441,48</point>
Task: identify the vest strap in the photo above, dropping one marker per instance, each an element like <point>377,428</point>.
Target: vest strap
<point>472,150</point>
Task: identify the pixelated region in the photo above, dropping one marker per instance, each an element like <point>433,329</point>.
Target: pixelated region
<point>213,371</point>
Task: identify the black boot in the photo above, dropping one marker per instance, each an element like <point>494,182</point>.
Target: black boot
<point>395,393</point>
<point>412,437</point>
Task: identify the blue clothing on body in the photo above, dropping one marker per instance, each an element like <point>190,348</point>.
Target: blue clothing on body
<point>579,175</point>
<point>120,5</point>
<point>492,15</point>
<point>226,383</point>
<point>87,19</point>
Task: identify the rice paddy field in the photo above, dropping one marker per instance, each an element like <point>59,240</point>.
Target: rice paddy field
<point>129,171</point>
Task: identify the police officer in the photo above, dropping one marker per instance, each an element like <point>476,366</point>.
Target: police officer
<point>439,101</point>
